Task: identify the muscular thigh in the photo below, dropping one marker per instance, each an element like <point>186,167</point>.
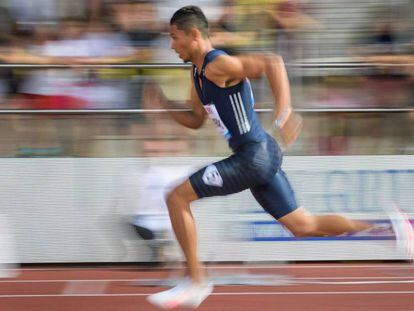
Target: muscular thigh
<point>277,196</point>
<point>252,165</point>
<point>227,176</point>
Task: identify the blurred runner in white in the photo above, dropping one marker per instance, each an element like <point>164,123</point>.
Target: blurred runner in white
<point>8,258</point>
<point>144,193</point>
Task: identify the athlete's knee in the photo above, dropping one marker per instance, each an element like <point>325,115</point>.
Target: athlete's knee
<point>173,197</point>
<point>180,194</point>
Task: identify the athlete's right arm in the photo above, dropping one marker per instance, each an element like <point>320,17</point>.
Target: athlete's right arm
<point>193,118</point>
<point>225,69</point>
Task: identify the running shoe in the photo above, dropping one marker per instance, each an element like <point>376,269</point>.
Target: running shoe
<point>404,232</point>
<point>186,294</point>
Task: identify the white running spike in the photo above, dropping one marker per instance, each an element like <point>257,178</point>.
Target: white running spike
<point>186,294</point>
<point>404,232</point>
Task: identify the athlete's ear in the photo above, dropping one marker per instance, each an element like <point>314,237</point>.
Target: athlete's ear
<point>195,33</point>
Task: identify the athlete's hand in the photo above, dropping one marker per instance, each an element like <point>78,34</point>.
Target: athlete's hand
<point>153,93</point>
<point>290,130</point>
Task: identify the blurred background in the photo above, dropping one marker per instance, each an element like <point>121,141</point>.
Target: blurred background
<point>340,54</point>
<point>351,68</point>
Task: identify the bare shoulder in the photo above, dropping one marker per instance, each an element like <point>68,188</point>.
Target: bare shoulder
<point>236,67</point>
<point>223,69</point>
<point>222,64</point>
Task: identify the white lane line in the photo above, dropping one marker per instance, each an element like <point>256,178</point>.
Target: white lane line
<point>380,278</point>
<point>292,266</point>
<point>217,294</point>
<point>327,266</point>
<point>353,282</point>
<point>63,281</point>
<point>90,287</point>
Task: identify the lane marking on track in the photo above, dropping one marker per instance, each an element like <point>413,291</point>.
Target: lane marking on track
<point>292,266</point>
<point>83,287</point>
<point>379,279</point>
<point>216,294</point>
<point>353,282</point>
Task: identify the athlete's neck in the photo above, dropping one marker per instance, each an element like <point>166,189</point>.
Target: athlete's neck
<point>198,59</point>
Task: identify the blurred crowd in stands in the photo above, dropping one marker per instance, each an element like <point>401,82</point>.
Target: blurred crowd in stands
<point>339,55</point>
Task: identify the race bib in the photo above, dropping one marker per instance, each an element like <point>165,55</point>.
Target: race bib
<point>214,115</point>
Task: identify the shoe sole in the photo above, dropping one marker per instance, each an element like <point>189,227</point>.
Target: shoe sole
<point>404,232</point>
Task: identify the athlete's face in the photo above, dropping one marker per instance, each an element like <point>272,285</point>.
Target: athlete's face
<point>181,42</point>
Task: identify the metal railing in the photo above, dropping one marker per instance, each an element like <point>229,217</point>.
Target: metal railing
<point>306,64</point>
<point>345,63</point>
<point>155,111</point>
<point>99,66</point>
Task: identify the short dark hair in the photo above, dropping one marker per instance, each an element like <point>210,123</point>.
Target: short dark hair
<point>189,17</point>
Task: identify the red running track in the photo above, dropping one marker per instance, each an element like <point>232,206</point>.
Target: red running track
<point>316,287</point>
